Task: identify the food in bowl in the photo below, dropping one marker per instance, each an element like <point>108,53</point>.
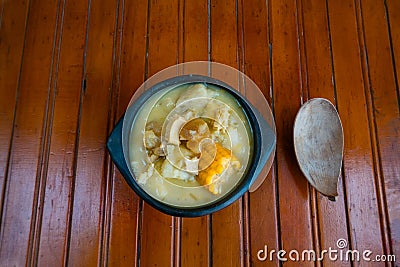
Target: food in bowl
<point>190,144</point>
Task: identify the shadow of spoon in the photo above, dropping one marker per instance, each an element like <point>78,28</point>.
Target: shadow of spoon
<point>318,144</point>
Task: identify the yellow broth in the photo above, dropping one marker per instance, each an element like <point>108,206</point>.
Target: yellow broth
<point>235,133</point>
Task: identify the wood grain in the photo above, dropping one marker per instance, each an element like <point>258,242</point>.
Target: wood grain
<point>384,120</point>
<point>68,69</point>
<point>332,219</point>
<point>295,222</point>
<point>58,175</point>
<point>20,196</point>
<point>89,191</point>
<point>12,34</point>
<point>129,74</point>
<point>358,163</point>
<point>392,14</point>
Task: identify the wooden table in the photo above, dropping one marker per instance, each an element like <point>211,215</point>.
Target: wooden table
<point>68,69</point>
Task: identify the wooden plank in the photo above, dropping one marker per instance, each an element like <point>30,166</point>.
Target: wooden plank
<point>1,11</point>
<point>158,230</point>
<point>195,35</point>
<point>227,223</point>
<point>129,73</point>
<point>163,28</point>
<point>89,191</point>
<point>224,38</point>
<point>294,203</point>
<point>54,196</point>
<point>332,220</point>
<point>362,205</point>
<point>390,170</point>
<point>384,120</point>
<point>194,241</point>
<point>12,32</point>
<point>392,8</point>
<point>19,212</point>
<point>257,66</point>
<point>194,232</point>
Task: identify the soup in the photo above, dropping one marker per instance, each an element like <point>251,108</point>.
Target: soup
<point>190,145</point>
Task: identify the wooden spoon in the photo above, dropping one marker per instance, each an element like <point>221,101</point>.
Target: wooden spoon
<point>318,144</point>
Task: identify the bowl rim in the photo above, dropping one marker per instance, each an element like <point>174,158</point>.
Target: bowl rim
<point>237,191</point>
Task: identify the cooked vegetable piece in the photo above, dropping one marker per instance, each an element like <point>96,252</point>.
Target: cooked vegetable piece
<point>169,171</point>
<point>144,176</point>
<point>210,176</point>
<point>154,126</point>
<point>196,129</point>
<point>151,140</point>
<point>208,152</point>
<point>173,128</point>
<point>194,91</point>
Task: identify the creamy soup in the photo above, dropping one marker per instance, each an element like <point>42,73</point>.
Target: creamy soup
<point>190,145</point>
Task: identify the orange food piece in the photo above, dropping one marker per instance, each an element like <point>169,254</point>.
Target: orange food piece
<point>210,176</point>
<point>208,153</point>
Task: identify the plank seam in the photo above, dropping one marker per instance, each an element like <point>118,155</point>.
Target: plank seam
<point>243,204</point>
<point>275,163</point>
<point>109,167</point>
<point>177,221</point>
<point>180,53</point>
<point>209,32</point>
<point>4,189</point>
<point>2,12</point>
<point>178,239</point>
<point>77,139</point>
<point>181,32</point>
<point>117,50</point>
<point>246,198</point>
<point>392,52</point>
<point>210,241</point>
<point>37,211</point>
<point>346,204</point>
<point>139,224</point>
<point>377,166</point>
<point>146,65</point>
<point>172,252</point>
<point>301,44</point>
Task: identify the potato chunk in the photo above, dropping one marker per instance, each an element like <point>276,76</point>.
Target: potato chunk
<point>169,171</point>
<point>151,140</point>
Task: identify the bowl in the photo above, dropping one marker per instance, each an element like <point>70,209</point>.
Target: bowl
<point>262,148</point>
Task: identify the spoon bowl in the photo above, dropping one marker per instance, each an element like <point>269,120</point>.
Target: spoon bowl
<point>318,143</point>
